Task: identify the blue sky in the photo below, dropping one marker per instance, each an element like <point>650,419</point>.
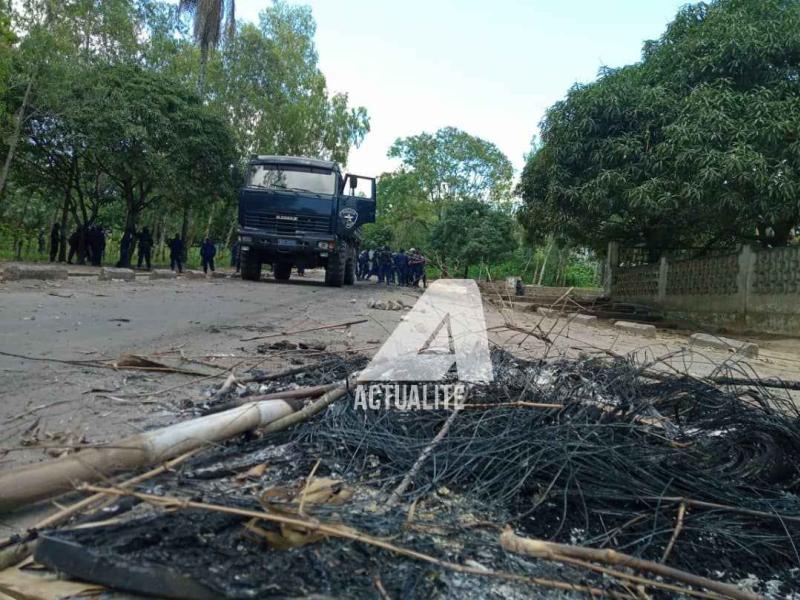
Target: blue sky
<point>488,67</point>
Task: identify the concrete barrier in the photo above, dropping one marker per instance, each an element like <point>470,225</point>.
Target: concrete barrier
<point>583,319</point>
<point>16,271</point>
<point>193,274</point>
<point>636,328</point>
<point>162,274</point>
<point>705,340</point>
<point>109,273</point>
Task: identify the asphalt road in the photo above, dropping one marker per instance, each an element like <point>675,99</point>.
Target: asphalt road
<point>85,319</point>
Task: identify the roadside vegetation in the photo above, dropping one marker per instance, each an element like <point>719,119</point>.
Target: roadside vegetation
<point>132,113</point>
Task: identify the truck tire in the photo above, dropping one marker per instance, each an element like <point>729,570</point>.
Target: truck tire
<point>350,268</point>
<point>334,272</point>
<point>283,271</point>
<point>251,268</point>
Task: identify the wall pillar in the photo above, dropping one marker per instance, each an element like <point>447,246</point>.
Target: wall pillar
<point>663,273</point>
<point>745,278</point>
<point>612,262</point>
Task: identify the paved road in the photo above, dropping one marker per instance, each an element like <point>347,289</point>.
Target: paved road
<point>49,403</point>
<point>82,319</point>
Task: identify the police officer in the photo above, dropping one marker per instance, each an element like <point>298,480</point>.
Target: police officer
<point>417,266</point>
<point>235,255</point>
<point>145,247</point>
<point>363,265</point>
<point>401,267</point>
<point>73,244</point>
<point>207,253</point>
<point>385,265</point>
<point>176,254</point>
<point>55,241</point>
<point>126,248</point>
<point>100,239</point>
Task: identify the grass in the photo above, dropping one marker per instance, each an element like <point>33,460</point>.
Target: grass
<point>160,257</point>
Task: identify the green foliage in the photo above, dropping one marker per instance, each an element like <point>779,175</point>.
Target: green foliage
<point>405,215</point>
<point>269,80</point>
<point>452,165</point>
<point>7,38</point>
<point>116,129</point>
<point>697,145</point>
<point>472,232</point>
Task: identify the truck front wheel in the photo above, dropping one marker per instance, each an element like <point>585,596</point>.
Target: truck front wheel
<point>251,268</point>
<point>283,271</point>
<point>335,271</point>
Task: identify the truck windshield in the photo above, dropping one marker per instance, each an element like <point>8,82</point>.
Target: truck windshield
<point>304,179</point>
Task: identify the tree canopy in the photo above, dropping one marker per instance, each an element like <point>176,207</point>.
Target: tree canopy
<point>452,165</point>
<point>102,118</point>
<point>471,232</point>
<point>694,146</point>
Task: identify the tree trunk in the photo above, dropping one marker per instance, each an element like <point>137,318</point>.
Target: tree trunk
<point>19,117</point>
<point>162,238</point>
<point>201,76</point>
<point>231,239</point>
<point>185,230</point>
<point>548,250</point>
<point>782,232</point>
<point>208,225</point>
<point>466,271</point>
<point>62,249</point>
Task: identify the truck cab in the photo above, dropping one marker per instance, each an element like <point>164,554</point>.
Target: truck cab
<point>302,212</point>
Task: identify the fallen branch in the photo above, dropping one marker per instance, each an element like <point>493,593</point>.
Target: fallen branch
<point>31,483</point>
<point>676,532</point>
<point>423,456</point>
<point>312,409</point>
<point>517,404</point>
<point>349,533</point>
<point>21,546</point>
<point>303,392</point>
<point>716,506</point>
<point>320,328</point>
<point>282,374</point>
<point>554,551</point>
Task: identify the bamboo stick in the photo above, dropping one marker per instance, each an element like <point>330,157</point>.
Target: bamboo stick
<point>16,553</point>
<point>44,480</point>
<point>554,551</point>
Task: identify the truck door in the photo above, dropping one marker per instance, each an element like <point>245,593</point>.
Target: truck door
<point>356,203</point>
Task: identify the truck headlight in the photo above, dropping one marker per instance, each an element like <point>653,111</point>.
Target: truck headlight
<point>325,245</point>
<point>246,239</point>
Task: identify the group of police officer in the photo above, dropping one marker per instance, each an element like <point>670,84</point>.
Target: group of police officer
<point>392,268</point>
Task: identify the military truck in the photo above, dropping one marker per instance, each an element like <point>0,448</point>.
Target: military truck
<point>304,213</point>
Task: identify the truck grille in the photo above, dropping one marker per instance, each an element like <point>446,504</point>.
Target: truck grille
<point>270,222</point>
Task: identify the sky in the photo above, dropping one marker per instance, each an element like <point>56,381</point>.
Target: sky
<point>489,67</point>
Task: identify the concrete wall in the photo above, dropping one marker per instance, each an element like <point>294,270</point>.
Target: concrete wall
<point>753,290</point>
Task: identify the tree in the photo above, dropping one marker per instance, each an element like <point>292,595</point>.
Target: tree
<point>453,165</point>
<point>212,20</point>
<point>472,232</point>
<point>695,146</point>
<point>268,83</point>
<point>146,137</point>
<point>403,211</point>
